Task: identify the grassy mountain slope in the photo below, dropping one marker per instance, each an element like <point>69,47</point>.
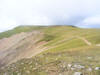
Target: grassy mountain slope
<point>62,45</point>
<point>19,30</point>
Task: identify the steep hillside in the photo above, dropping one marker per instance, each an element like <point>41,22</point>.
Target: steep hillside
<point>22,45</point>
<point>51,50</point>
<point>19,30</point>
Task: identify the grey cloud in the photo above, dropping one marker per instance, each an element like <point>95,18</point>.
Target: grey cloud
<point>47,12</point>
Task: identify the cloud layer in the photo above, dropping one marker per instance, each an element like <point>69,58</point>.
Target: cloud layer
<point>82,13</point>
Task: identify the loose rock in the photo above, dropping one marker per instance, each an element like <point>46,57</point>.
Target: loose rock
<point>69,65</point>
<point>89,69</point>
<point>78,73</point>
<point>97,68</point>
<point>79,66</point>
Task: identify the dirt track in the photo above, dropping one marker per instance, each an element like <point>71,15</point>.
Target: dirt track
<point>85,40</point>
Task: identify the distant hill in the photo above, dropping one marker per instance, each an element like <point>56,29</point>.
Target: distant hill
<point>48,50</point>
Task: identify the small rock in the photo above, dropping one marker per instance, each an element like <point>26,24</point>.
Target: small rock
<point>34,68</point>
<point>78,73</point>
<point>24,68</point>
<point>79,66</point>
<point>89,69</point>
<point>56,58</point>
<point>19,74</point>
<point>30,62</point>
<point>28,72</point>
<point>60,74</point>
<point>22,63</point>
<point>72,68</point>
<point>89,57</point>
<point>31,66</point>
<point>64,64</point>
<point>97,68</point>
<point>5,73</point>
<point>59,55</point>
<point>36,64</point>
<point>69,65</point>
<point>17,71</point>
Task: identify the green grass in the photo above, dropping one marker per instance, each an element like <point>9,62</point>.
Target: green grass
<point>63,46</point>
<point>74,43</point>
<point>48,61</point>
<point>19,30</point>
<point>48,37</point>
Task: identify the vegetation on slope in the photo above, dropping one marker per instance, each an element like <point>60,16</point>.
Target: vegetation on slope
<point>63,47</point>
<point>19,30</point>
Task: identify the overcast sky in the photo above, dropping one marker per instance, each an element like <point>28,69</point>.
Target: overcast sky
<point>82,13</point>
